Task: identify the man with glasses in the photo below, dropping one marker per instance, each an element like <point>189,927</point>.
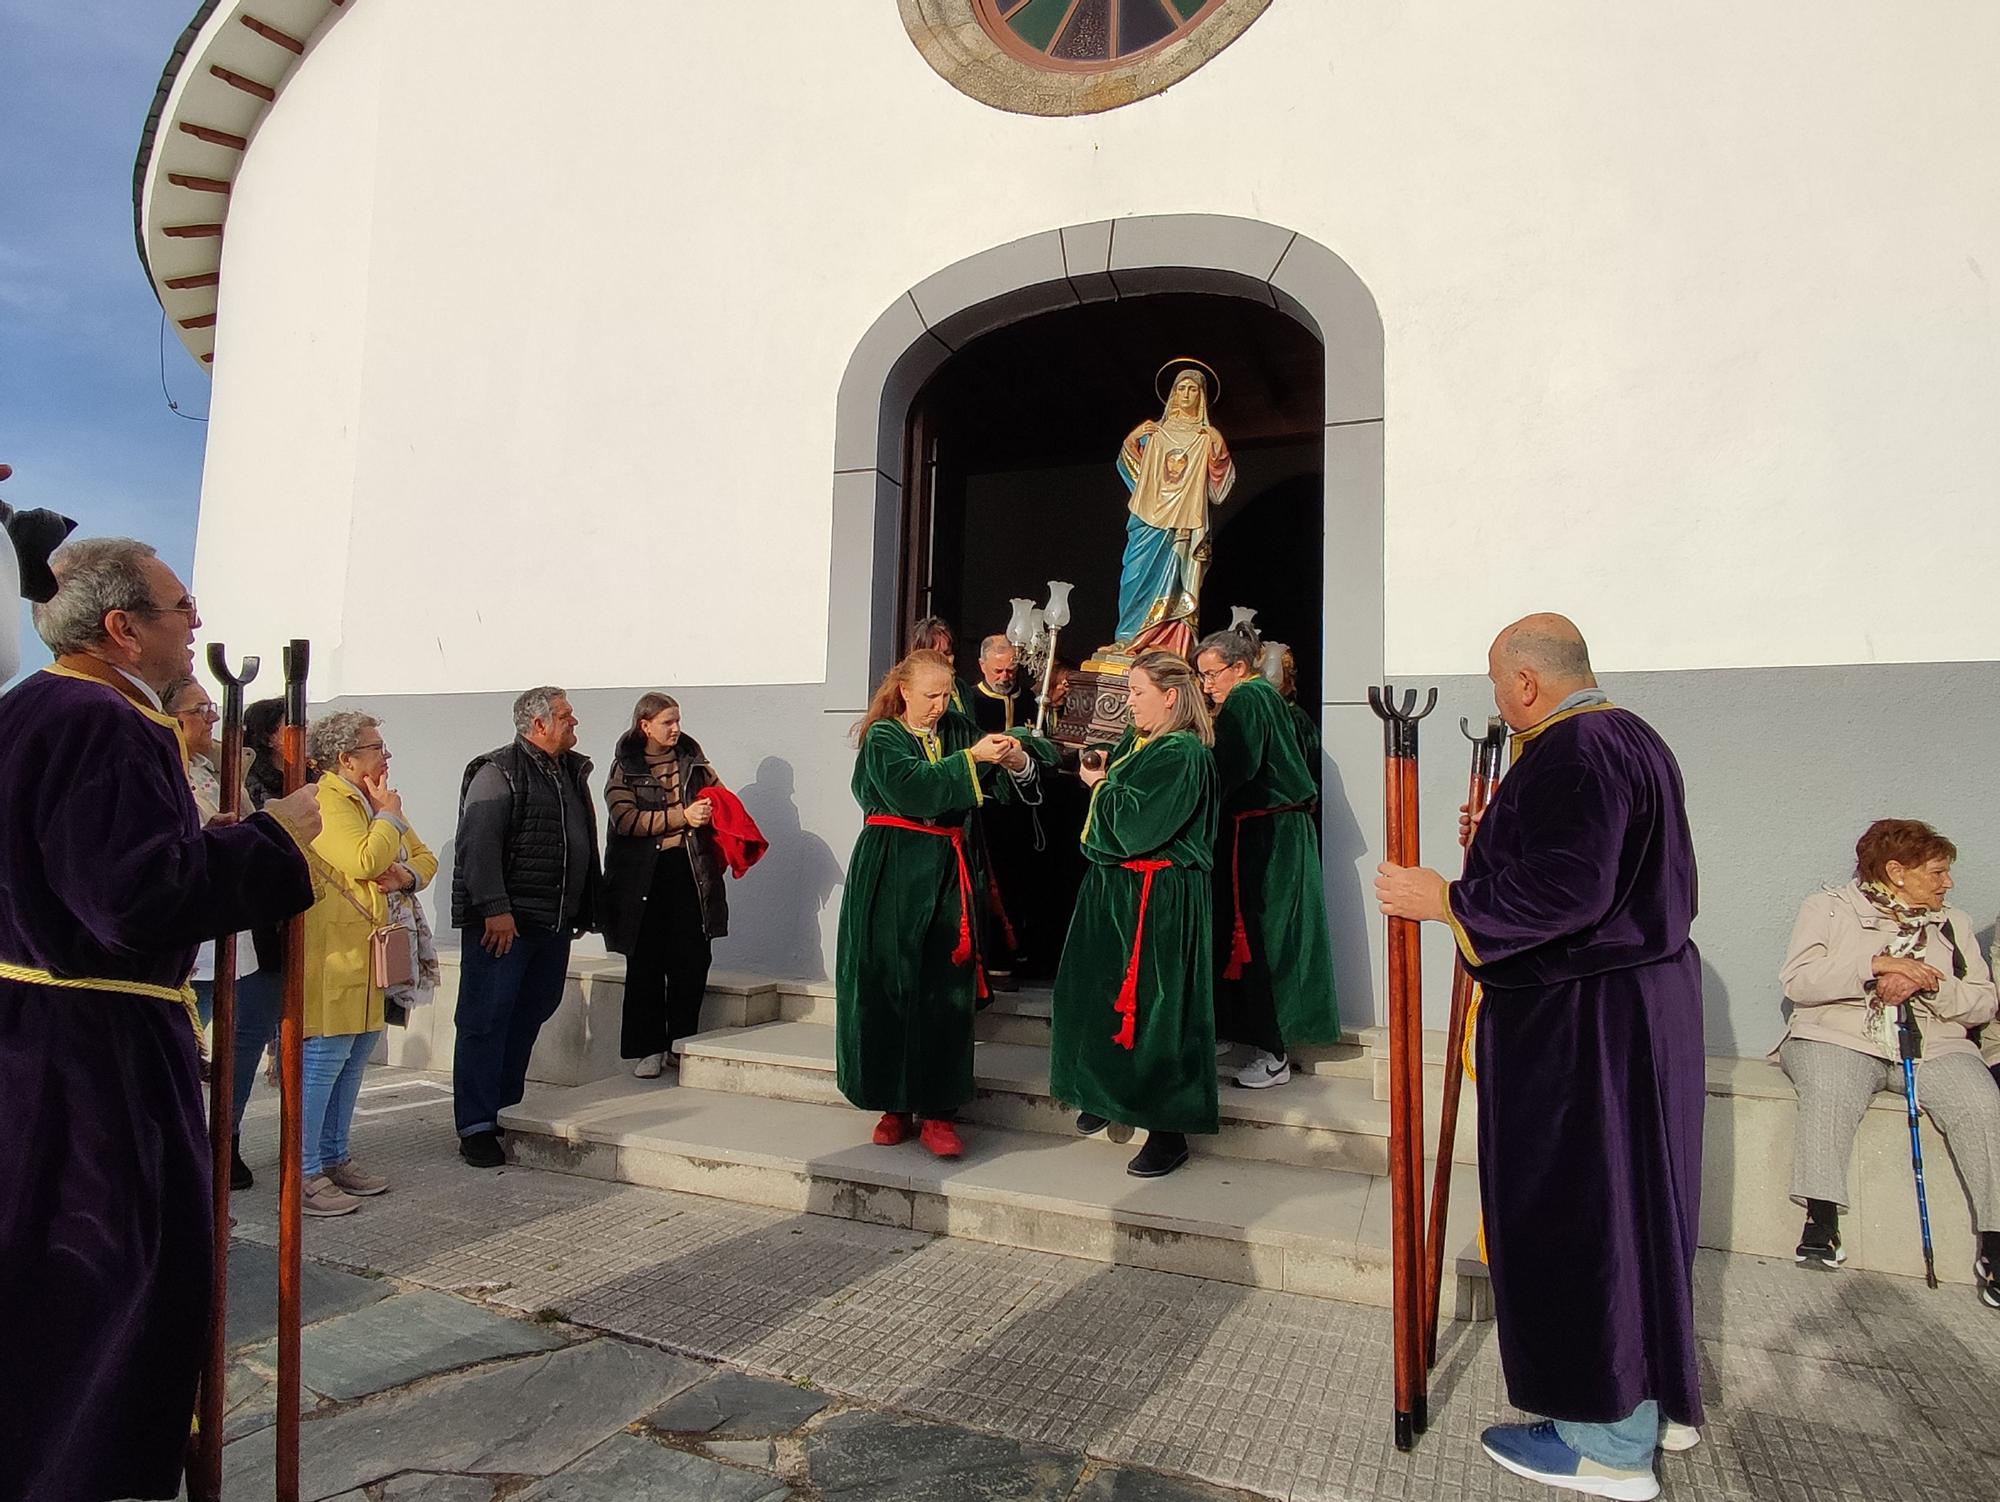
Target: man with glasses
<point>1273,953</point>
<point>110,884</point>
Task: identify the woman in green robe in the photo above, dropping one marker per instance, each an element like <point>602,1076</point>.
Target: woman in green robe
<point>1133,1032</point>
<point>1274,956</point>
<point>907,971</point>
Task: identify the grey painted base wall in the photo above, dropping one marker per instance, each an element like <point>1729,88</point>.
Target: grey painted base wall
<point>1784,769</point>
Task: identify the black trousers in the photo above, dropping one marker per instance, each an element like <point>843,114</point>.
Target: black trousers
<point>666,973</point>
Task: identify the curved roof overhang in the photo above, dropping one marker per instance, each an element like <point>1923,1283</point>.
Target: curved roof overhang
<point>226,71</point>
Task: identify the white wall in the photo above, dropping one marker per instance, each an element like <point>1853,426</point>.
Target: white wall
<point>533,316</point>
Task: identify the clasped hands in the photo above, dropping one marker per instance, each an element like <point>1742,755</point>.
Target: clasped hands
<point>1001,749</point>
<point>1898,979</point>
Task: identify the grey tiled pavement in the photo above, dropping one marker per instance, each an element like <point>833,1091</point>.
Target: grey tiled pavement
<point>1820,1386</point>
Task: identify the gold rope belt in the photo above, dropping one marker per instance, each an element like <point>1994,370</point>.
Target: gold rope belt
<point>182,995</point>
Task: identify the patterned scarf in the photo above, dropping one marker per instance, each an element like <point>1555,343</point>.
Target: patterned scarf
<point>1913,925</point>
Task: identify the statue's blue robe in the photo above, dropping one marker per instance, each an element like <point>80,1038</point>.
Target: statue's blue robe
<point>1573,914</point>
<point>105,1220</point>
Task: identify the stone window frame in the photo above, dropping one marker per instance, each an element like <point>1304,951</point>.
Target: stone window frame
<point>955,40</point>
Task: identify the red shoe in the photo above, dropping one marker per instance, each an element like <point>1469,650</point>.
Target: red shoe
<point>941,1137</point>
<point>894,1127</point>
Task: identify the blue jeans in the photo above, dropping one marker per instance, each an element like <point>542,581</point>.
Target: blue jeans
<point>260,996</point>
<point>502,1004</point>
<point>332,1085</point>
<point>1628,1444</point>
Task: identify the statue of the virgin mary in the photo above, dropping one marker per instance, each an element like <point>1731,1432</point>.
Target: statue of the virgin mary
<point>1176,468</point>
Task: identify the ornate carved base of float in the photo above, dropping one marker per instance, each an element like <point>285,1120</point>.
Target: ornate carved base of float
<point>1093,712</point>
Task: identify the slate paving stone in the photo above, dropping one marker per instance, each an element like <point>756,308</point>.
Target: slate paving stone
<point>880,1457</point>
<point>736,1405</point>
<point>252,1314</point>
<point>417,1487</point>
<point>626,1468</point>
<point>760,1454</point>
<point>1151,1486</point>
<point>528,1416</point>
<point>405,1337</point>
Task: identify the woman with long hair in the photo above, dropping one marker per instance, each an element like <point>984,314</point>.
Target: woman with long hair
<point>907,974</point>
<point>663,896</point>
<point>1133,1031</point>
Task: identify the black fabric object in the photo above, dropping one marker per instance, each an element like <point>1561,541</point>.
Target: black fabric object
<point>666,970</point>
<point>527,857</point>
<point>631,860</point>
<point>35,535</point>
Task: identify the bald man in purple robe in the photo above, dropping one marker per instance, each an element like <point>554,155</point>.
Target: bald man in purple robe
<point>108,882</point>
<point>1573,915</point>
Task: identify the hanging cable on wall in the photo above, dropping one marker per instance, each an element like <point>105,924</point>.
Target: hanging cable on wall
<point>172,405</point>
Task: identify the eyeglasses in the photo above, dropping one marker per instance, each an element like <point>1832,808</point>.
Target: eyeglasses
<point>187,608</point>
<point>370,746</point>
<point>206,711</point>
<point>1209,675</point>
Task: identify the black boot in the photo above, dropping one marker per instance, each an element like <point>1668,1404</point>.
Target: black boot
<point>1986,1271</point>
<point>1162,1154</point>
<point>1819,1243</point>
<point>1088,1125</point>
<point>240,1176</point>
<point>482,1149</point>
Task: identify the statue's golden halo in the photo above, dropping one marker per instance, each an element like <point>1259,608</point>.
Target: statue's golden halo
<point>1182,362</point>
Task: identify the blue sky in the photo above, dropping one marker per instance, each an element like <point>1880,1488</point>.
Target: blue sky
<point>82,418</point>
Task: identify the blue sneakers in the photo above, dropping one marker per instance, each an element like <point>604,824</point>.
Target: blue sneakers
<point>1538,1452</point>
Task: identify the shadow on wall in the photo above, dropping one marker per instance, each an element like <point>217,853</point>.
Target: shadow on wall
<point>1350,895</point>
<point>774,911</point>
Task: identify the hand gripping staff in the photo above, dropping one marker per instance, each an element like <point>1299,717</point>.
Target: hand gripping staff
<point>205,1484</point>
<point>1486,751</point>
<point>291,1050</point>
<point>1911,1048</point>
<point>1406,1064</point>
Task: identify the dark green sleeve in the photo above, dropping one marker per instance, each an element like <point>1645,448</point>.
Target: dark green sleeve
<point>1039,748</point>
<point>1242,727</point>
<point>910,784</point>
<point>1141,807</point>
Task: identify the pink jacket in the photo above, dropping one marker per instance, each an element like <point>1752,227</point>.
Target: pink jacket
<point>1826,975</point>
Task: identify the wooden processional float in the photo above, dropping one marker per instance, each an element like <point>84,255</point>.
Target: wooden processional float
<point>205,1474</point>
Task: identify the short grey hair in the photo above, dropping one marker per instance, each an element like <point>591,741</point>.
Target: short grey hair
<point>93,578</point>
<point>332,736</point>
<point>180,685</point>
<point>994,645</point>
<point>1233,647</point>
<point>536,704</point>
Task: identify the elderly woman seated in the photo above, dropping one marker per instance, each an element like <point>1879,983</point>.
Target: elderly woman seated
<point>1860,954</point>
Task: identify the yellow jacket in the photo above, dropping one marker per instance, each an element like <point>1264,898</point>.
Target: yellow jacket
<point>352,849</point>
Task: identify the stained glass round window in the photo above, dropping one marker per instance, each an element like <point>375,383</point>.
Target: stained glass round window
<point>1088,34</point>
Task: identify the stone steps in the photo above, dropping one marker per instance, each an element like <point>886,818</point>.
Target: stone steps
<point>1267,1225</point>
<point>1316,1121</point>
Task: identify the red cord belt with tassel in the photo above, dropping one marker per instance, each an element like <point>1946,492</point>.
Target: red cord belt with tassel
<point>1127,1004</point>
<point>964,954</point>
<point>1239,934</point>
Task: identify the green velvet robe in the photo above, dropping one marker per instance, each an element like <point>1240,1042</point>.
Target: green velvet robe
<point>903,1025</point>
<point>1157,801</point>
<point>1260,763</point>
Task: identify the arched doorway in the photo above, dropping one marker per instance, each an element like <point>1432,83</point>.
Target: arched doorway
<point>1012,480</point>
<point>1224,266</point>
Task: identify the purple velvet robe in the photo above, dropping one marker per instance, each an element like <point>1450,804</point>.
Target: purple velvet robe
<point>1573,915</point>
<point>105,1220</point>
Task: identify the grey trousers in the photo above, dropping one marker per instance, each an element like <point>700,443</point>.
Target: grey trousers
<point>1835,1085</point>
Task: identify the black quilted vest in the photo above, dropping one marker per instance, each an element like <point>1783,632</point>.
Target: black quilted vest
<point>538,871</point>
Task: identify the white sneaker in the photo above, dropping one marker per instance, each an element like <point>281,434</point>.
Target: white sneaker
<point>649,1067</point>
<point>1675,1438</point>
<point>1264,1071</point>
<point>1222,1050</point>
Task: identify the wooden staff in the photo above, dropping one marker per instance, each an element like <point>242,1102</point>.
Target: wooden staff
<point>1406,1064</point>
<point>1486,751</point>
<point>205,1485</point>
<point>291,1079</point>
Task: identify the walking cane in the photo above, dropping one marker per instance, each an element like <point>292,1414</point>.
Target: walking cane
<point>1912,1049</point>
<point>291,1048</point>
<point>1485,777</point>
<point>1406,1063</point>
<point>206,1484</point>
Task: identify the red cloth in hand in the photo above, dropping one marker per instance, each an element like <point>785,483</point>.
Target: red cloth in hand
<point>737,838</point>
